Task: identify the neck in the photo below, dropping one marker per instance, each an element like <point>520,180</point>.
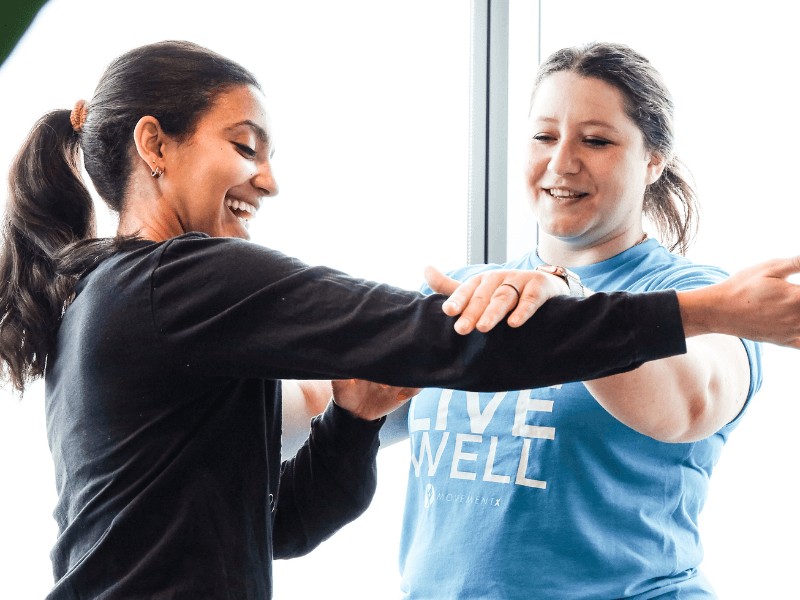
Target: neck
<point>571,253</point>
<point>149,228</point>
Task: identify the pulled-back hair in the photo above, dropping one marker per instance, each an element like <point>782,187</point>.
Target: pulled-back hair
<point>49,225</point>
<point>671,202</point>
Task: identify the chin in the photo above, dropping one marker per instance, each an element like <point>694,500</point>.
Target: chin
<point>564,231</point>
<point>243,233</point>
<point>234,230</point>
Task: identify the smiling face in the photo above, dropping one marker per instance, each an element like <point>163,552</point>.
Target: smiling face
<point>214,181</point>
<point>587,170</point>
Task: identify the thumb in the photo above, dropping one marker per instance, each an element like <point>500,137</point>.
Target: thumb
<point>783,267</point>
<point>439,282</point>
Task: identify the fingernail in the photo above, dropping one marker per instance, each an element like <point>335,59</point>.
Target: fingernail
<point>450,304</point>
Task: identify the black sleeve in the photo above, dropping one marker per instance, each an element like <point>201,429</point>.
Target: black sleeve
<point>232,308</point>
<point>330,482</point>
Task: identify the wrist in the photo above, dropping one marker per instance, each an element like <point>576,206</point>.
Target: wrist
<point>356,414</point>
<point>697,309</point>
<point>572,280</point>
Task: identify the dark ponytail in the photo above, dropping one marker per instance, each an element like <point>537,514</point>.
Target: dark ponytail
<point>671,205</point>
<point>48,209</point>
<point>49,226</point>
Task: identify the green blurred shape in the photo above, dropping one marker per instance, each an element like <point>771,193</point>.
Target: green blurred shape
<point>15,17</point>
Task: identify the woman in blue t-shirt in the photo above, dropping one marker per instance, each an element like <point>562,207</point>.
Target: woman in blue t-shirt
<point>588,489</point>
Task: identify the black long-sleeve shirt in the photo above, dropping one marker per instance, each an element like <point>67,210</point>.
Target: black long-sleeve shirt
<point>164,413</point>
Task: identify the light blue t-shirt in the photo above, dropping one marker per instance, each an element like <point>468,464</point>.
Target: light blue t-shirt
<point>543,494</point>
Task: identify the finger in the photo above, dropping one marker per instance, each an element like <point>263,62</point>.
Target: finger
<point>461,297</point>
<point>479,301</point>
<point>439,282</point>
<point>535,293</point>
<point>503,301</point>
<point>526,307</point>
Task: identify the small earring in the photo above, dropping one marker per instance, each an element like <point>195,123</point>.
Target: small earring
<point>157,172</point>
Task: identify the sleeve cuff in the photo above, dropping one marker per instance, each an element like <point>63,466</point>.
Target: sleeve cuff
<point>660,332</point>
<point>346,431</point>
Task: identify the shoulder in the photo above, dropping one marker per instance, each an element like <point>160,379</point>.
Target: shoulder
<point>196,277</point>
<point>199,246</point>
<point>197,255</point>
<point>660,270</point>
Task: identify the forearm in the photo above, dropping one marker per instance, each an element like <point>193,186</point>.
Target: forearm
<point>757,303</point>
<point>702,313</point>
<point>330,482</point>
<point>682,398</point>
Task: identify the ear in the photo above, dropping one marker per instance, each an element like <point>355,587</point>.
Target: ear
<point>150,139</point>
<point>655,166</point>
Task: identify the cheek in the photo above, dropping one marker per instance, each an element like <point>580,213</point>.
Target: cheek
<point>614,176</point>
<point>535,166</point>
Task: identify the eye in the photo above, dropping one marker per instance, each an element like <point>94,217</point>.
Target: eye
<point>543,137</point>
<point>596,142</point>
<point>246,150</point>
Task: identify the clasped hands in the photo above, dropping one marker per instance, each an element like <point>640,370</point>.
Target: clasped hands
<point>760,303</point>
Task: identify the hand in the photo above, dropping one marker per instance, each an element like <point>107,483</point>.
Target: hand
<point>485,299</point>
<point>757,303</point>
<point>368,400</point>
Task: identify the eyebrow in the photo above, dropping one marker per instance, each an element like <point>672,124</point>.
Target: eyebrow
<point>260,132</point>
<point>591,122</point>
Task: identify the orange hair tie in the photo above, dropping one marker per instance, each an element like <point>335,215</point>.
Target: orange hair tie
<point>78,115</point>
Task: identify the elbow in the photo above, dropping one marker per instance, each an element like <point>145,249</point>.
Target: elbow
<point>692,422</point>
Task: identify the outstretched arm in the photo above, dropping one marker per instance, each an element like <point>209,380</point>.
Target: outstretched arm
<point>689,397</point>
<point>758,303</point>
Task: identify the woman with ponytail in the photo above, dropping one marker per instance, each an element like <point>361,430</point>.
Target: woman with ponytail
<point>163,348</point>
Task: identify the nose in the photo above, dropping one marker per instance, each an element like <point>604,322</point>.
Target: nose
<point>564,160</point>
<point>264,180</point>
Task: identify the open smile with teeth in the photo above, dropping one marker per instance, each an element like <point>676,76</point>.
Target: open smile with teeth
<point>562,193</point>
<point>243,210</point>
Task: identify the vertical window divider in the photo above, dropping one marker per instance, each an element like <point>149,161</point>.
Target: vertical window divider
<point>488,154</point>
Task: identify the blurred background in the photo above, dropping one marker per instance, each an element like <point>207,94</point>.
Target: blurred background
<point>376,157</point>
